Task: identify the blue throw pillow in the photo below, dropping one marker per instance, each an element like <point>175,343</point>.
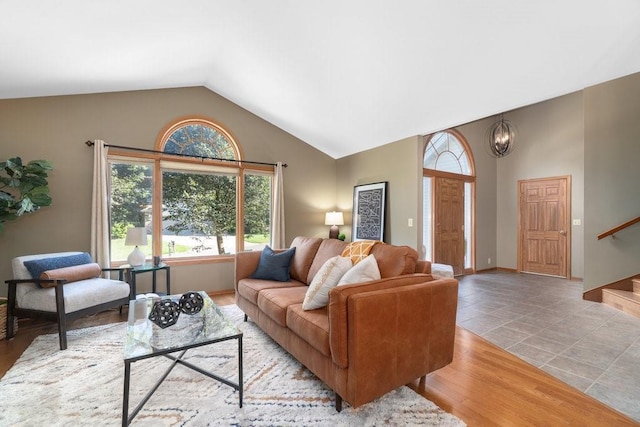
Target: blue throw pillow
<point>37,266</point>
<point>274,266</point>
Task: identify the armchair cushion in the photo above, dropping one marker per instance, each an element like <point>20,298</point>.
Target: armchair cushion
<point>37,266</point>
<point>77,295</point>
<point>73,273</point>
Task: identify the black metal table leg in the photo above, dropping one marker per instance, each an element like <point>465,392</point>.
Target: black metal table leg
<point>240,386</point>
<point>125,399</point>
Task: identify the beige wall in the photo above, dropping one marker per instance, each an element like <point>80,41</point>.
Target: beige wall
<point>55,128</point>
<point>550,143</point>
<point>612,174</point>
<point>397,163</point>
<point>590,135</point>
<point>400,164</point>
<point>485,197</point>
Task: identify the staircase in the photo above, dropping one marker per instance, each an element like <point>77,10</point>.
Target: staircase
<point>625,301</point>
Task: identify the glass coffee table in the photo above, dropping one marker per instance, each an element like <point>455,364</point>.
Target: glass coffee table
<point>145,339</point>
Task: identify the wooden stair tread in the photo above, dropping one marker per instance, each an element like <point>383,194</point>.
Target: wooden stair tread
<point>632,296</point>
<point>625,301</point>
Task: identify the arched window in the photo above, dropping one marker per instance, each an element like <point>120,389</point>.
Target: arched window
<point>446,153</point>
<point>448,187</point>
<point>199,137</point>
<point>194,194</point>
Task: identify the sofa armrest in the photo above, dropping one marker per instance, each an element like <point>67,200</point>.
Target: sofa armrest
<point>337,309</point>
<point>246,263</point>
<point>423,266</point>
<point>399,334</point>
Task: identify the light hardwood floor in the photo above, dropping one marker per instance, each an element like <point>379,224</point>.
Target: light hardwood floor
<point>483,386</point>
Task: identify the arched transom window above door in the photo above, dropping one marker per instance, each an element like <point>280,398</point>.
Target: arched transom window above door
<point>446,153</point>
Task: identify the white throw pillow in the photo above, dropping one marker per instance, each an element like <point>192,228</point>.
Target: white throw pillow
<point>364,271</point>
<point>326,278</point>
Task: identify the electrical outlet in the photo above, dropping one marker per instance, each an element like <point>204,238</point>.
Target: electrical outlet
<point>489,261</point>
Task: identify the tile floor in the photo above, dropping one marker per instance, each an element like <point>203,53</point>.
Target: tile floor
<point>545,321</point>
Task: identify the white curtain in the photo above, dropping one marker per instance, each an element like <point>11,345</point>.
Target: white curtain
<point>277,223</point>
<point>100,206</point>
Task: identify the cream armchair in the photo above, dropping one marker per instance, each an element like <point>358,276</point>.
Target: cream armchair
<point>61,287</point>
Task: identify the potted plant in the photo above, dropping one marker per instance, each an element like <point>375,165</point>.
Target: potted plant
<point>23,188</point>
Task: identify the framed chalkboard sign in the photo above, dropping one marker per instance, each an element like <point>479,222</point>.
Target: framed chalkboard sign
<point>368,211</point>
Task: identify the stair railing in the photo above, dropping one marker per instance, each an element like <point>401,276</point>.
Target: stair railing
<point>614,230</point>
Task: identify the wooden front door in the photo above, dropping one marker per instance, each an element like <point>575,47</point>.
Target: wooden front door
<point>449,223</point>
<point>544,226</point>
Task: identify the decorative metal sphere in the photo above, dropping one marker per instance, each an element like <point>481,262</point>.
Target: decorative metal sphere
<point>164,313</point>
<point>191,302</point>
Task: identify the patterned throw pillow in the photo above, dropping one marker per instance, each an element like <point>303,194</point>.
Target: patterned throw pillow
<point>359,250</point>
<point>326,278</point>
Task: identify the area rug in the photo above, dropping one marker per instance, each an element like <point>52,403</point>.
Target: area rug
<point>83,385</point>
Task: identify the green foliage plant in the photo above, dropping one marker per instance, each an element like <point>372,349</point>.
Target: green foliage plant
<point>119,230</point>
<point>23,188</point>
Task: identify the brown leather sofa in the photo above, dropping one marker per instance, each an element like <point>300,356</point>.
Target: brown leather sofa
<point>373,337</point>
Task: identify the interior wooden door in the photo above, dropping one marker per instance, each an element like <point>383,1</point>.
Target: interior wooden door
<point>449,223</point>
<point>544,226</point>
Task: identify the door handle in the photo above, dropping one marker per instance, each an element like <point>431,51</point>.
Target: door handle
<point>564,233</point>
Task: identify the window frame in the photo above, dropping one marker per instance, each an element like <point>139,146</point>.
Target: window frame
<point>236,167</point>
<point>467,179</point>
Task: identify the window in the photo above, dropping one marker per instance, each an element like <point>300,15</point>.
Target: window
<point>446,153</point>
<point>447,156</point>
<point>208,202</point>
<point>131,203</point>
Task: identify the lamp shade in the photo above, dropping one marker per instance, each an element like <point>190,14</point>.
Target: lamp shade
<point>136,236</point>
<point>333,218</point>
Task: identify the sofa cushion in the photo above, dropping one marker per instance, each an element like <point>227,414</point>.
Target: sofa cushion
<point>317,295</point>
<point>395,260</point>
<point>73,273</point>
<point>328,249</point>
<point>306,248</point>
<point>312,326</point>
<point>37,266</point>
<point>364,271</point>
<point>250,288</point>
<point>274,266</point>
<point>274,302</point>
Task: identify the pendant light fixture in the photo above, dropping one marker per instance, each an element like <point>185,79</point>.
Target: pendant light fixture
<point>501,138</point>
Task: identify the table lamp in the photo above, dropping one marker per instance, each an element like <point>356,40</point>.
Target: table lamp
<point>136,236</point>
<point>334,219</point>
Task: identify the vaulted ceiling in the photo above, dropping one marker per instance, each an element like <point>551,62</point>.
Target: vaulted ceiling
<point>342,75</point>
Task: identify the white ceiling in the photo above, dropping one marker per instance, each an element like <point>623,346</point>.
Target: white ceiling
<point>342,75</point>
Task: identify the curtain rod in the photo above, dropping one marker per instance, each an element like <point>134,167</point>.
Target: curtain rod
<point>91,144</point>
